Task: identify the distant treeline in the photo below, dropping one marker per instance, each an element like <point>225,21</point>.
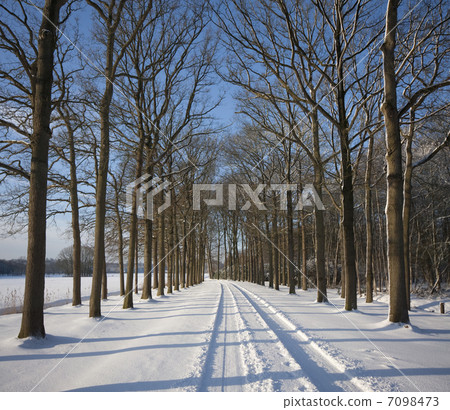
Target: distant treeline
<point>52,267</point>
<point>18,266</point>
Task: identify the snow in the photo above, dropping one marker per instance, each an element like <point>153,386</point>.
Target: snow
<point>58,290</point>
<point>230,336</point>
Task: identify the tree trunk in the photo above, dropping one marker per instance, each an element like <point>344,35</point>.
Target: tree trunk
<point>368,213</point>
<point>33,305</point>
<point>261,276</point>
<point>148,239</point>
<point>225,265</point>
<point>104,279</point>
<point>285,252</point>
<point>76,255</point>
<point>193,260</point>
<point>177,264</point>
<point>304,252</point>
<point>347,182</point>
<point>128,300</point>
<point>235,248</point>
<point>248,258</point>
<point>269,250</point>
<point>319,230</point>
<point>177,250</point>
<point>252,260</point>
<point>382,251</point>
<point>136,274</point>
<point>148,236</point>
<point>147,285</point>
<point>319,233</point>
<point>290,238</point>
<point>218,252</point>
<point>155,260</point>
<point>243,254</point>
<point>276,274</point>
<point>407,207</point>
<point>398,309</point>
<point>100,207</point>
<point>191,265</point>
<point>336,257</point>
<point>347,224</point>
<point>120,239</point>
<point>299,253</point>
<point>162,256</point>
<point>184,256</point>
<point>343,267</point>
<point>170,257</point>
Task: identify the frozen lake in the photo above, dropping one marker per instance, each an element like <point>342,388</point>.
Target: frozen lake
<point>58,290</point>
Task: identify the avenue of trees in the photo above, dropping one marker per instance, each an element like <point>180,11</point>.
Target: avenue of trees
<point>102,100</point>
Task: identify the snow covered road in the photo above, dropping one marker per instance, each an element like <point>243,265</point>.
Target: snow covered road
<point>228,336</point>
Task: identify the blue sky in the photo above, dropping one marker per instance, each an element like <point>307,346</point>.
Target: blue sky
<point>12,247</point>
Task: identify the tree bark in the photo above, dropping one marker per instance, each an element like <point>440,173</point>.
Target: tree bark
<point>398,310</point>
<point>347,180</point>
<point>147,285</point>
<point>120,240</point>
<point>132,248</point>
<point>33,305</point>
<point>290,236</point>
<point>261,276</point>
<point>319,230</point>
<point>162,256</point>
<point>155,259</point>
<point>304,252</point>
<point>407,207</point>
<point>136,273</point>
<point>177,256</point>
<point>184,257</point>
<point>369,229</point>
<point>218,251</point>
<point>100,207</point>
<point>276,272</point>
<point>148,234</point>
<point>76,235</point>
<point>343,267</point>
<point>171,243</point>
<point>104,279</point>
<point>269,251</point>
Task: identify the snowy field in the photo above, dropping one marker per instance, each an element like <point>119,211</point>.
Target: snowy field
<point>230,336</point>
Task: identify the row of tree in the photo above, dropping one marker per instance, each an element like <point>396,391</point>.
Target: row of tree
<point>135,100</point>
<point>131,109</point>
<point>312,77</point>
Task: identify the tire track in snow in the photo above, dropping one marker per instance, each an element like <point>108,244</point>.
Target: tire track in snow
<point>327,373</point>
<point>203,362</point>
<point>224,355</point>
<point>260,357</point>
<point>252,364</point>
<point>223,367</point>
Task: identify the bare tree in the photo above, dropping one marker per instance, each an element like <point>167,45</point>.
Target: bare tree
<point>111,16</point>
<point>40,74</point>
<point>398,310</point>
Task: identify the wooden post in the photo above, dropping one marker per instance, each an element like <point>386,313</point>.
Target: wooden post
<point>442,306</point>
